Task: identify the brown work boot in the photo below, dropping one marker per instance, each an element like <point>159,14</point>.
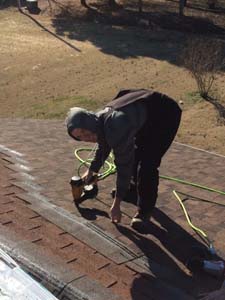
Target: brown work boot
<point>140,222</point>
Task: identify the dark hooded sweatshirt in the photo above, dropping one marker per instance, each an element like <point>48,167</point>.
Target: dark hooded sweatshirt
<point>117,126</point>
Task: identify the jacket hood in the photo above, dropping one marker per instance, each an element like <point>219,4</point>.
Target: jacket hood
<point>78,117</point>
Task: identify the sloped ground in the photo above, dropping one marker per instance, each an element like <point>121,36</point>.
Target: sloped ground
<point>41,76</point>
<point>78,250</point>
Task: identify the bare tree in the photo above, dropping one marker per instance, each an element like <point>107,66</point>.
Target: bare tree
<point>182,4</point>
<point>140,6</point>
<point>84,3</point>
<point>212,4</point>
<point>204,58</point>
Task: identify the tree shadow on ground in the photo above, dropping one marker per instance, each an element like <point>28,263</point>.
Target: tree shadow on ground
<point>203,6</point>
<point>4,4</point>
<point>121,35</point>
<point>122,42</point>
<point>219,108</point>
<point>122,38</point>
<point>175,247</point>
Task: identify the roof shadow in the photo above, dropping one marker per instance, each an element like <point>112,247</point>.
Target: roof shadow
<point>175,246</point>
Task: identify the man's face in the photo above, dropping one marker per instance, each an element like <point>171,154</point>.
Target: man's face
<point>84,135</point>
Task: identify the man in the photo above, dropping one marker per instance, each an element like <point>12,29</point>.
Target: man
<point>138,126</point>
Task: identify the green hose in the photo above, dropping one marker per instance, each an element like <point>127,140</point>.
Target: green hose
<point>110,166</point>
<point>192,184</point>
<point>111,169</point>
<point>195,228</point>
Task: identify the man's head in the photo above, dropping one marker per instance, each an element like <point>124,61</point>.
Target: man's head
<point>82,125</point>
<point>85,135</point>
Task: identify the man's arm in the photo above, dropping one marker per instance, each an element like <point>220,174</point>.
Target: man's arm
<point>101,154</point>
<point>124,160</point>
<point>121,128</point>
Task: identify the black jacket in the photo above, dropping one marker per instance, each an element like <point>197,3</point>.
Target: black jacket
<point>121,120</point>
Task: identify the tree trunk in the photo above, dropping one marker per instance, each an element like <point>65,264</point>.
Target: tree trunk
<point>140,6</point>
<point>84,3</point>
<point>182,4</point>
<point>212,4</point>
<point>112,3</point>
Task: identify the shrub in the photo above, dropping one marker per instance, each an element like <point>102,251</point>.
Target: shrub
<point>204,58</point>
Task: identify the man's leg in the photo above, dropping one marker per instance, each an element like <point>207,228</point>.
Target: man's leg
<point>147,184</point>
<point>151,151</point>
<point>148,181</point>
<point>132,194</point>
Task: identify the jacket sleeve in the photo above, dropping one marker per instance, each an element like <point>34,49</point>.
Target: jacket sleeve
<point>124,161</point>
<point>120,137</point>
<point>101,154</point>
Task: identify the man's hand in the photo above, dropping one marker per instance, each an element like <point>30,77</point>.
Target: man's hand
<point>115,211</point>
<point>89,177</point>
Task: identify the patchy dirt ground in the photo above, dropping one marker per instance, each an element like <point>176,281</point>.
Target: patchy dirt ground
<point>41,75</point>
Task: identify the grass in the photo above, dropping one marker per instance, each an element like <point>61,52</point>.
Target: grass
<point>193,97</point>
<point>57,108</point>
